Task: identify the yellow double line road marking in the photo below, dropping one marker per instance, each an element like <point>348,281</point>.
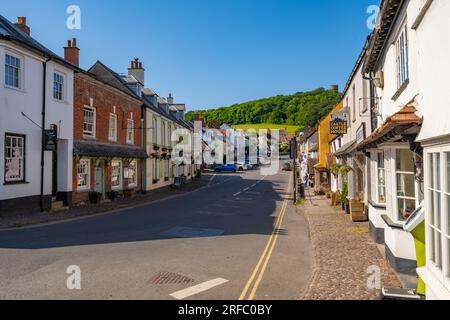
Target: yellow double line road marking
<point>265,258</point>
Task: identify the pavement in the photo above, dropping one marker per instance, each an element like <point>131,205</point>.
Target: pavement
<point>347,263</point>
<point>239,237</point>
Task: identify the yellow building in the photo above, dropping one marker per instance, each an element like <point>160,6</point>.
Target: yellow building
<point>322,172</point>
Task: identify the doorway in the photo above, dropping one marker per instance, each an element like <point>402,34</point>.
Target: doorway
<point>98,178</point>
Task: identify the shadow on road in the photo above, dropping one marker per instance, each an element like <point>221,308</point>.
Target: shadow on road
<point>211,212</point>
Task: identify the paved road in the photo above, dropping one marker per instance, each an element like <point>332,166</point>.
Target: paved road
<point>237,238</point>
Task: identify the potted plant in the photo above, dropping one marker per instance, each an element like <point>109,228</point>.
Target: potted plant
<point>95,197</point>
<point>128,193</point>
<point>358,210</point>
<point>112,195</point>
<point>343,197</point>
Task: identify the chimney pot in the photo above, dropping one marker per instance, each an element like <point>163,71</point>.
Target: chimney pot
<point>22,25</point>
<point>72,53</point>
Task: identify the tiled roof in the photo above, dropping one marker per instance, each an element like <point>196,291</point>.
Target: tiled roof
<point>387,17</point>
<point>394,126</point>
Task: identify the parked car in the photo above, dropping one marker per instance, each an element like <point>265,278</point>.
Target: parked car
<point>287,166</point>
<point>226,168</point>
<point>243,167</point>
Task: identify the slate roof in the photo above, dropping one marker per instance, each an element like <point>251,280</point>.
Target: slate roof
<point>90,149</point>
<point>9,31</point>
<point>105,74</point>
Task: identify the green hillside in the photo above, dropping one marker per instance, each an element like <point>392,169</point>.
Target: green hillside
<point>290,128</point>
<point>300,109</point>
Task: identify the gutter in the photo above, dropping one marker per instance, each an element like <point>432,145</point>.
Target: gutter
<point>44,105</point>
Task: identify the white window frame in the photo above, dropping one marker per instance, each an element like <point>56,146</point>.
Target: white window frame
<point>391,183</point>
<point>132,166</point>
<point>163,133</point>
<point>130,131</point>
<point>402,56</point>
<point>90,134</point>
<point>375,174</point>
<point>21,157</point>
<point>87,165</point>
<point>442,273</point>
<point>155,130</point>
<point>62,84</point>
<point>19,71</point>
<point>112,132</point>
<point>113,164</point>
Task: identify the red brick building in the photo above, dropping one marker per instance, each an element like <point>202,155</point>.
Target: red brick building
<point>107,135</point>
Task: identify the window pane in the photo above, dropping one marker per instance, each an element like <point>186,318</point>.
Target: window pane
<point>431,215</point>
<point>431,253</point>
<point>437,209</point>
<point>405,160</point>
<point>405,208</point>
<point>447,154</point>
<point>437,159</point>
<point>431,169</point>
<point>406,185</point>
<point>438,249</point>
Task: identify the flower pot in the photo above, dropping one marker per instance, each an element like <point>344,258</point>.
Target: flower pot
<point>95,197</point>
<point>128,193</point>
<point>358,211</point>
<point>112,195</point>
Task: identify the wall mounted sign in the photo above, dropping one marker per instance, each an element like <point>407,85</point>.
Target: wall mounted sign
<point>338,124</point>
<point>361,133</point>
<point>50,139</point>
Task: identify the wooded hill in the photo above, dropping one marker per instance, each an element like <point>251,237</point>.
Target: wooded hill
<point>300,109</point>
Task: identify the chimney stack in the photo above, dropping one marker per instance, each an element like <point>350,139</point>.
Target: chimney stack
<point>22,25</point>
<point>334,87</point>
<point>170,99</point>
<point>137,71</point>
<point>72,53</point>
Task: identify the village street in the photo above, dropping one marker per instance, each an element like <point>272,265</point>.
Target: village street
<point>226,237</point>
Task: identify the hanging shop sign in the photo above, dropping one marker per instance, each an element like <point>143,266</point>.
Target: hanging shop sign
<point>338,124</point>
<point>50,139</point>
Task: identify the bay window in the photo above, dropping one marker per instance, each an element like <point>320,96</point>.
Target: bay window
<point>406,184</point>
<point>116,175</point>
<point>14,158</point>
<point>84,175</point>
<point>437,200</point>
<point>378,190</point>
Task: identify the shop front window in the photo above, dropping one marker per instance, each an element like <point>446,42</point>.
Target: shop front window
<point>116,175</point>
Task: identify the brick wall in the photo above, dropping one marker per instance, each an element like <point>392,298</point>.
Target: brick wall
<point>104,99</point>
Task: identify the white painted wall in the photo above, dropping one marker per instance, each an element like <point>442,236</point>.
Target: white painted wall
<point>28,99</point>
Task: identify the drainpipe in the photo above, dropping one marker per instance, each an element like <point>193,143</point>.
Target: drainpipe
<point>44,92</point>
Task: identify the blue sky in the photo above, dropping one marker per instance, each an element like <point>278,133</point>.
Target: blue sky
<point>211,53</point>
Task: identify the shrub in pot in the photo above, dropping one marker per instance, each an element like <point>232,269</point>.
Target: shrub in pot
<point>95,197</point>
<point>112,195</point>
<point>128,193</point>
<point>343,196</point>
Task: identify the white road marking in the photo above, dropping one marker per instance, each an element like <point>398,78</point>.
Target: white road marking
<point>236,194</point>
<point>183,294</point>
<point>244,199</point>
<point>212,179</point>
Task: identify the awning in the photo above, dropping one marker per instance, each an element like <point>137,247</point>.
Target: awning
<point>399,127</point>
<point>89,149</point>
<point>346,149</point>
